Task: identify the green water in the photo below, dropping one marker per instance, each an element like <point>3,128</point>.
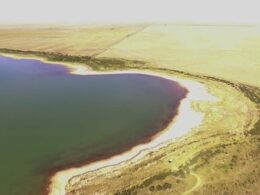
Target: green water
<point>50,119</point>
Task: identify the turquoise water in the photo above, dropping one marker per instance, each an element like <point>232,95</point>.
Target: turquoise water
<point>50,119</point>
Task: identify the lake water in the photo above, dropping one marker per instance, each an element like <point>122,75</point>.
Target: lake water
<point>50,119</point>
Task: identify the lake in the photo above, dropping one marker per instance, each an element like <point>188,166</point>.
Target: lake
<point>51,119</point>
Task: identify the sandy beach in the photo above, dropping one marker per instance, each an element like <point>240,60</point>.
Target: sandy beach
<point>177,128</point>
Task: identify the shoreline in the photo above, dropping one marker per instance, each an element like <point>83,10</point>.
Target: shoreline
<point>177,128</point>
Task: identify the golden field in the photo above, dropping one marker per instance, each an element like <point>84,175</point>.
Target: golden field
<point>72,40</point>
<point>229,52</point>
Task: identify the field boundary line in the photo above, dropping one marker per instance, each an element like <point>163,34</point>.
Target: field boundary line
<point>120,40</point>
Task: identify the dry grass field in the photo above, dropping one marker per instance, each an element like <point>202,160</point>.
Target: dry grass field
<point>74,40</point>
<point>229,52</point>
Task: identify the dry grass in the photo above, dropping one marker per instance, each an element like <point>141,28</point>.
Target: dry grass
<point>67,40</point>
<point>227,52</point>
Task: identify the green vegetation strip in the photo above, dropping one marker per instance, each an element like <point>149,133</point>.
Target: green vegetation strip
<point>94,63</point>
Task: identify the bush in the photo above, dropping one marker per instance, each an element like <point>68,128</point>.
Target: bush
<point>152,188</point>
<point>167,186</point>
<point>159,187</point>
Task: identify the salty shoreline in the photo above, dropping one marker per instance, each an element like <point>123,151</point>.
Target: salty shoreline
<point>177,127</point>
